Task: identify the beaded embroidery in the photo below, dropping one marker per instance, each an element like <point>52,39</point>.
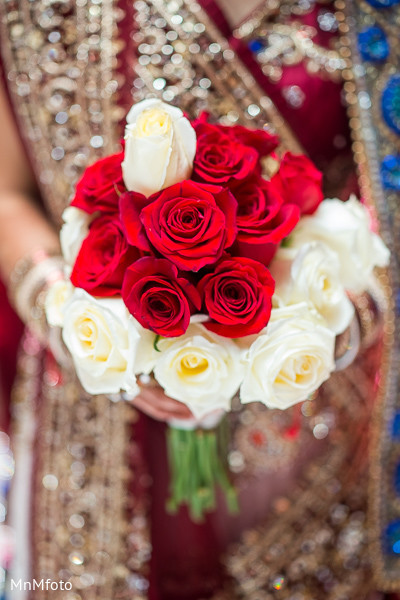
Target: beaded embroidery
<point>370,38</point>
<point>276,43</point>
<point>183,59</point>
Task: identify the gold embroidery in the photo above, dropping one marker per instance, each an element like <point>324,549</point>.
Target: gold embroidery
<point>60,64</point>
<point>60,60</point>
<point>290,43</point>
<point>372,140</point>
<point>183,58</point>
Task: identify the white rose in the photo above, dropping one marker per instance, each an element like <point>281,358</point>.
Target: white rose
<point>313,276</point>
<point>160,145</point>
<point>345,228</point>
<point>201,369</point>
<point>56,298</point>
<point>73,232</point>
<point>146,354</point>
<point>102,342</point>
<point>290,359</point>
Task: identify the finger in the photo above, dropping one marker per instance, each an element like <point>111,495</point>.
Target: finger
<point>165,403</point>
<point>150,410</point>
<point>161,405</point>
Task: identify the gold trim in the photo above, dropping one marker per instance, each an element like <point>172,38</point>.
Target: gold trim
<point>225,75</point>
<point>360,121</point>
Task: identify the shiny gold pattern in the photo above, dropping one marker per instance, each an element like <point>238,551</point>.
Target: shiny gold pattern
<point>280,43</point>
<point>89,523</point>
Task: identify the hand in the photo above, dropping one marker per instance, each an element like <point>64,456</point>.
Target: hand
<point>153,402</point>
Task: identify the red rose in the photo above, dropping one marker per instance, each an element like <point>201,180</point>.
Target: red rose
<point>103,258</point>
<point>263,219</point>
<point>220,158</point>
<point>97,188</point>
<point>237,297</point>
<point>263,141</point>
<point>299,182</point>
<point>130,207</point>
<point>189,223</point>
<point>158,298</point>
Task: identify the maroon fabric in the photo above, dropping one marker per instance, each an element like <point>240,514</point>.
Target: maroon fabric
<point>11,329</point>
<point>322,115</point>
<point>10,334</point>
<point>185,560</point>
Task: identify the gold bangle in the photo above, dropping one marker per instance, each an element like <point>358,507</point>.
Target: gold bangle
<point>29,282</point>
<point>368,316</point>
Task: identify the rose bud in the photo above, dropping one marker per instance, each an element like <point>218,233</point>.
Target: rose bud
<point>263,219</point>
<point>299,182</point>
<point>103,258</point>
<point>100,186</point>
<point>158,298</point>
<point>189,223</point>
<point>160,145</point>
<point>237,296</point>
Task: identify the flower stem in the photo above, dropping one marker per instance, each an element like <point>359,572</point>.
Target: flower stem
<point>198,464</point>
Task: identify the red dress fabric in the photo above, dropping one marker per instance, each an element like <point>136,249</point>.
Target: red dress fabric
<point>185,560</point>
<point>10,333</point>
<point>322,116</point>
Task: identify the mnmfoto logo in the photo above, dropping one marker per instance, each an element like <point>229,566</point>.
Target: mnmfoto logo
<point>40,584</point>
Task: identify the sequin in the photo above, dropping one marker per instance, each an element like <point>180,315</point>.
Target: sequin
<point>373,44</point>
<point>256,45</point>
<point>77,521</point>
<point>383,3</point>
<point>396,480</point>
<point>278,582</point>
<point>76,558</point>
<point>395,427</point>
<point>391,538</point>
<point>320,431</point>
<point>294,96</point>
<point>391,103</point>
<point>390,172</point>
<point>327,21</point>
<point>50,482</point>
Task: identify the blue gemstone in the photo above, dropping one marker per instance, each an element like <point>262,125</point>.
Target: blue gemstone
<point>395,428</point>
<point>256,45</point>
<point>397,481</point>
<point>390,172</point>
<point>391,538</point>
<point>383,3</point>
<point>391,103</point>
<point>373,44</point>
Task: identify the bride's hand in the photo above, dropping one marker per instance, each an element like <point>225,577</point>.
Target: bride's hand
<point>153,402</point>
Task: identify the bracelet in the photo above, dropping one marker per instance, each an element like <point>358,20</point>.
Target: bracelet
<point>368,316</point>
<point>29,282</point>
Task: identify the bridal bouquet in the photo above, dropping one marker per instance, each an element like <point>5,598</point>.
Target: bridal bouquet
<point>184,261</point>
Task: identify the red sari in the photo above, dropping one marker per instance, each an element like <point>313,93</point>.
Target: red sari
<point>185,561</point>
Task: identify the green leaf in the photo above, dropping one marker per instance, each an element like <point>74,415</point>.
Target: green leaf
<point>156,340</point>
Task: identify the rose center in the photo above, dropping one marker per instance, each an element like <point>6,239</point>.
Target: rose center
<point>153,122</point>
<point>235,295</point>
<point>159,306</point>
<point>87,333</point>
<point>296,371</point>
<point>192,364</point>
